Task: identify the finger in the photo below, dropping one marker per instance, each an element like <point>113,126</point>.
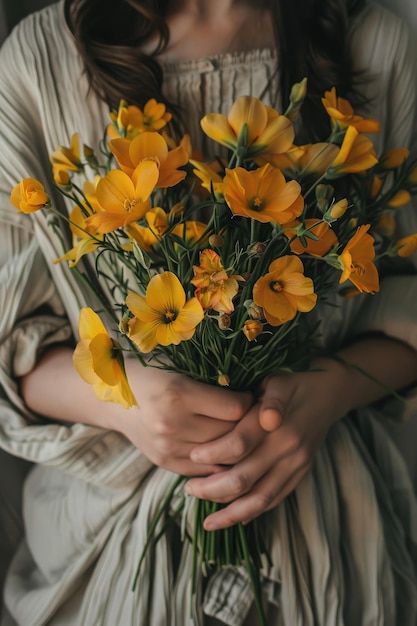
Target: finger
<point>218,403</point>
<point>247,508</point>
<point>234,445</point>
<point>270,418</point>
<point>271,410</point>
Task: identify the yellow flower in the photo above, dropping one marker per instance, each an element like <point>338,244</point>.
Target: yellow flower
<point>148,236</point>
<point>284,291</point>
<point>406,246</point>
<point>86,239</point>
<point>164,317</point>
<point>357,154</point>
<point>315,158</point>
<point>214,288</point>
<point>210,177</point>
<point>356,261</point>
<point>341,113</point>
<point>100,363</point>
<point>252,328</point>
<point>29,196</point>
<point>326,237</point>
<point>130,120</point>
<point>263,128</point>
<point>262,194</point>
<point>67,159</point>
<point>392,159</point>
<point>151,146</point>
<point>124,200</point>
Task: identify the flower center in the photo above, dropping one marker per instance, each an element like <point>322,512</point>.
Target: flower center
<point>154,159</point>
<point>357,268</point>
<point>170,316</point>
<point>256,203</point>
<point>129,204</point>
<point>276,286</point>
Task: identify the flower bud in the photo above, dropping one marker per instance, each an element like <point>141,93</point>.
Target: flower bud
<point>336,210</point>
<point>224,321</point>
<point>257,249</point>
<point>223,380</point>
<point>216,241</point>
<point>251,329</point>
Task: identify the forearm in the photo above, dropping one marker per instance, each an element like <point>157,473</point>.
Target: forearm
<point>55,390</point>
<point>371,367</point>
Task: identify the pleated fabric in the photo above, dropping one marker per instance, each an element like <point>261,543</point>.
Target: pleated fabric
<point>344,544</point>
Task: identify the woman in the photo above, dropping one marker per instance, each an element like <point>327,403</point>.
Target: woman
<point>343,551</point>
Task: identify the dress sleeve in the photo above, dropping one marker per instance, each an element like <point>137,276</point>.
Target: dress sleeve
<point>35,305</point>
<point>383,43</point>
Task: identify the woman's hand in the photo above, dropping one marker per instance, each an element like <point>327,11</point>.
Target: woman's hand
<point>266,464</point>
<point>176,413</point>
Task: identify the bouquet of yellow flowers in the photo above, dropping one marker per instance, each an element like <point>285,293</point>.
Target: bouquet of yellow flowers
<point>215,269</point>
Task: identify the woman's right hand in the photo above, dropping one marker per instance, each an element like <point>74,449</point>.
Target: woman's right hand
<point>176,413</point>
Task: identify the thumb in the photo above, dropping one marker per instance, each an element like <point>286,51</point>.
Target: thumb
<point>271,413</point>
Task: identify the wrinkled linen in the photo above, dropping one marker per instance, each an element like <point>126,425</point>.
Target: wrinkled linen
<point>344,544</point>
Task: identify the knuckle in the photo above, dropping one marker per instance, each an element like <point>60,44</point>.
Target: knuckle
<point>238,445</point>
<point>234,408</point>
<point>294,441</point>
<point>303,457</point>
<point>164,452</point>
<point>263,501</point>
<point>163,427</point>
<point>239,484</point>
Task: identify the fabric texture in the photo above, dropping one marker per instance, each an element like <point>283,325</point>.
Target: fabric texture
<point>344,544</point>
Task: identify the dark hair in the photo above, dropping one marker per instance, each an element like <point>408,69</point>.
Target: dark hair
<point>311,36</point>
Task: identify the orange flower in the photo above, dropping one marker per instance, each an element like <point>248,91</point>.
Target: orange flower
<point>262,194</point>
<point>326,237</point>
<point>401,198</point>
<point>356,261</point>
<point>67,159</point>
<point>357,154</point>
<point>214,288</point>
<point>341,113</point>
<point>210,176</point>
<point>29,196</point>
<point>309,159</point>
<point>152,147</point>
<point>130,120</point>
<point>124,200</point>
<point>252,329</point>
<point>258,127</point>
<point>406,246</point>
<point>392,159</point>
<point>164,317</point>
<point>284,291</point>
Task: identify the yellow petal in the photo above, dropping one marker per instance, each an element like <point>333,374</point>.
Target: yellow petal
<point>83,362</point>
<point>105,364</point>
<point>89,324</point>
<point>165,293</point>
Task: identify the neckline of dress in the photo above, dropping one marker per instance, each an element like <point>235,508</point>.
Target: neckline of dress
<point>219,61</point>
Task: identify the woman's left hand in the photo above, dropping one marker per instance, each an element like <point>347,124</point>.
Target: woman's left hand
<point>272,447</point>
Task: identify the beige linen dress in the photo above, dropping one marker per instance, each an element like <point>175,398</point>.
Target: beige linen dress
<point>344,545</point>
